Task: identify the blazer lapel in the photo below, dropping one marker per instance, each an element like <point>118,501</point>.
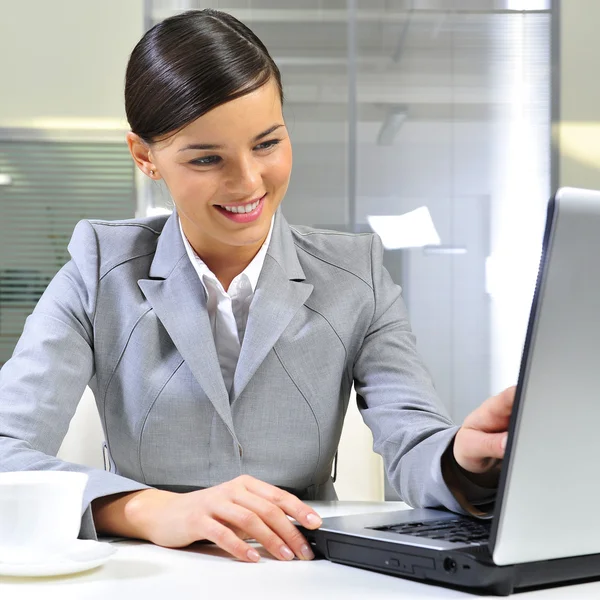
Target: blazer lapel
<point>279,294</point>
<point>178,299</point>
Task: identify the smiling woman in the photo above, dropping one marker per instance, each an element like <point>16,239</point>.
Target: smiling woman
<point>216,135</point>
<point>221,343</point>
<point>227,171</point>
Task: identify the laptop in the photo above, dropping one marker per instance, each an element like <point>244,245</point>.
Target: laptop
<point>545,528</point>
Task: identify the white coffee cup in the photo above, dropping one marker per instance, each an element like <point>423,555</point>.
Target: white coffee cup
<point>40,514</point>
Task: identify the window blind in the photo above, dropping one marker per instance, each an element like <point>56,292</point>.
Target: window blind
<point>48,187</point>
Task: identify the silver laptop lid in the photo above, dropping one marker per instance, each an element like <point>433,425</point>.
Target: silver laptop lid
<point>550,484</point>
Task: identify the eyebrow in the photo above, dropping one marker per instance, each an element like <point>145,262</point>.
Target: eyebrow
<point>218,147</point>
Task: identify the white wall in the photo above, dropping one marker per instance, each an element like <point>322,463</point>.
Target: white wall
<point>579,129</point>
<point>360,470</point>
<point>65,58</point>
<point>83,442</point>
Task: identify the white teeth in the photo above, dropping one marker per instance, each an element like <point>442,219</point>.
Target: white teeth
<point>245,208</point>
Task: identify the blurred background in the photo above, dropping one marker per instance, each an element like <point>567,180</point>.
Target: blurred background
<point>455,120</point>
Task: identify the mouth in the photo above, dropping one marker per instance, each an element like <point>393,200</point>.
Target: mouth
<point>242,213</point>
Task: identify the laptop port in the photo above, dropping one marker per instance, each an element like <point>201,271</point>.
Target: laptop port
<point>450,565</point>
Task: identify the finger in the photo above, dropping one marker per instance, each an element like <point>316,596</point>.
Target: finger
<point>223,537</point>
<point>476,450</point>
<point>290,505</point>
<point>277,521</point>
<point>494,414</point>
<point>249,522</point>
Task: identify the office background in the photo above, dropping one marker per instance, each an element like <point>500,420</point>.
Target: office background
<point>474,109</point>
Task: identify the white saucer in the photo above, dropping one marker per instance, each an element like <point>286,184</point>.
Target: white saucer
<point>81,556</point>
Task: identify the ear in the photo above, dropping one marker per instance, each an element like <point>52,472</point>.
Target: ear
<point>142,155</point>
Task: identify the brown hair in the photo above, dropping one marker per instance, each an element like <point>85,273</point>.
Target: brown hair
<point>189,64</point>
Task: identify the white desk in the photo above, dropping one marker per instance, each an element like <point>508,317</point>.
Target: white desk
<point>141,571</point>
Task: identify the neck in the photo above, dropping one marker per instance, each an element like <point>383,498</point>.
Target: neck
<point>226,262</point>
<point>227,269</point>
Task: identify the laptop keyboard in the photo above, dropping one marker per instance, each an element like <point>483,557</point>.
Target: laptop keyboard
<point>451,530</point>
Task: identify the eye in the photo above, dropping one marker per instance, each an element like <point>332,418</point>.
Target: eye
<point>206,161</point>
<point>266,145</point>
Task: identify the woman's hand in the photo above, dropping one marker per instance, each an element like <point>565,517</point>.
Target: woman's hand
<point>225,514</point>
<point>480,442</point>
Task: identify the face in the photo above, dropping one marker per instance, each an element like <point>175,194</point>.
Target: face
<point>227,172</point>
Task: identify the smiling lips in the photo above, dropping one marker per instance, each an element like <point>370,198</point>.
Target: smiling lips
<point>243,213</point>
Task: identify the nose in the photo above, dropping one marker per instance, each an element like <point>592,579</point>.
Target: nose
<point>244,176</point>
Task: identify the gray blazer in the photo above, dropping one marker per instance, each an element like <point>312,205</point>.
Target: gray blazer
<point>127,316</point>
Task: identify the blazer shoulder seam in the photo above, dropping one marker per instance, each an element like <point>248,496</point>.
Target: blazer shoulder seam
<point>328,232</point>
<point>116,224</point>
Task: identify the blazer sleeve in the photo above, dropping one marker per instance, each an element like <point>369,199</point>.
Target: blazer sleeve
<point>42,383</point>
<point>398,402</point>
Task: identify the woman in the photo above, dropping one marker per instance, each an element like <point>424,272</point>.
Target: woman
<point>221,344</point>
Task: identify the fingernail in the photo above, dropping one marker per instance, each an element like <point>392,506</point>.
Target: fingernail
<point>314,519</point>
<point>306,552</point>
<point>253,555</point>
<point>286,553</point>
<point>503,442</point>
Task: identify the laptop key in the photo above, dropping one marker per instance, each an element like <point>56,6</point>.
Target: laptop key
<point>459,530</point>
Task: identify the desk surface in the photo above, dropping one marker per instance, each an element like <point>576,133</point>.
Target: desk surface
<point>141,571</point>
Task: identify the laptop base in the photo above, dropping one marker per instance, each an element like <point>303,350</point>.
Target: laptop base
<point>468,569</point>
